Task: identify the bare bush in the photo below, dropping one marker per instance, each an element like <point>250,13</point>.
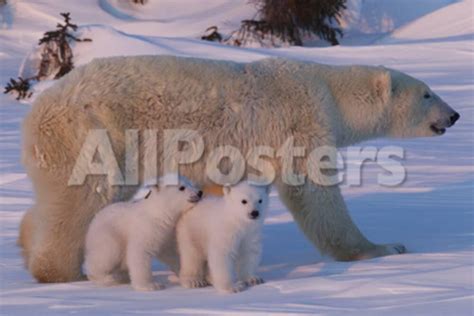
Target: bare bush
<point>56,52</point>
<point>212,34</point>
<point>287,22</point>
<point>56,57</point>
<point>254,33</point>
<point>291,19</point>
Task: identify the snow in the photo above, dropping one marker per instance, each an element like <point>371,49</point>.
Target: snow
<point>431,212</point>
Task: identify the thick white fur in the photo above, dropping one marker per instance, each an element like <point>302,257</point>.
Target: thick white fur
<point>124,237</point>
<point>219,234</point>
<point>242,105</point>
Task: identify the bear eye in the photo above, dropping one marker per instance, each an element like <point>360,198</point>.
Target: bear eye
<point>244,201</point>
<point>427,95</point>
<point>260,201</point>
<point>182,188</point>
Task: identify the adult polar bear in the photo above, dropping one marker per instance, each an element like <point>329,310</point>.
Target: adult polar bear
<point>242,105</point>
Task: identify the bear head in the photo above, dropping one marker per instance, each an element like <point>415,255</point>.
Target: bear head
<point>415,110</point>
<point>176,192</point>
<point>379,102</point>
<point>248,202</point>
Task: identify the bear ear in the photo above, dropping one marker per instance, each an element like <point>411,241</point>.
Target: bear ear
<point>226,189</point>
<point>383,84</point>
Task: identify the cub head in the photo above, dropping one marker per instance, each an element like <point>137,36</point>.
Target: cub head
<point>247,201</point>
<point>179,195</point>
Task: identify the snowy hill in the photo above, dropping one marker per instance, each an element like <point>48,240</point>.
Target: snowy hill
<point>431,213</point>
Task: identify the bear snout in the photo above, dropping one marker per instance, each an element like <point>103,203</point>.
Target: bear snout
<point>195,197</point>
<point>254,214</point>
<point>439,127</point>
<point>454,118</point>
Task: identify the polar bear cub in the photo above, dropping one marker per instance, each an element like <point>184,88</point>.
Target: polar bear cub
<point>225,233</point>
<point>123,237</point>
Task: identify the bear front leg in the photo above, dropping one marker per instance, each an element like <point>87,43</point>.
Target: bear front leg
<point>192,266</point>
<point>248,260</point>
<point>322,214</point>
<point>220,269</point>
<point>139,268</point>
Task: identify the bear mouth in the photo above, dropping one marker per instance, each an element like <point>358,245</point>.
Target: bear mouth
<point>437,130</point>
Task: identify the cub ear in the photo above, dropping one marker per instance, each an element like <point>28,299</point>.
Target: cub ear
<point>226,189</point>
<point>382,82</point>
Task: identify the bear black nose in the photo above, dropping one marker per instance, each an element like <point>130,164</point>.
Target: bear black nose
<point>199,193</point>
<point>254,214</point>
<point>454,118</point>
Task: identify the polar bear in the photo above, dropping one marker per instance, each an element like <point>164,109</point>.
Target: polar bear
<point>241,105</point>
<point>123,237</point>
<point>224,233</point>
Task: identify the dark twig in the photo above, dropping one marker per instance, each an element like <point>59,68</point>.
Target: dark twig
<point>22,86</point>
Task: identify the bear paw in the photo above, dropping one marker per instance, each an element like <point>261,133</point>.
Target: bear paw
<point>194,283</point>
<point>396,248</point>
<point>152,286</point>
<point>389,249</point>
<point>236,288</point>
<point>255,280</point>
<point>239,287</point>
<point>104,280</point>
<point>382,250</point>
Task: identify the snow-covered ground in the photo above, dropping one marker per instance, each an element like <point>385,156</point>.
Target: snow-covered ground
<point>431,213</point>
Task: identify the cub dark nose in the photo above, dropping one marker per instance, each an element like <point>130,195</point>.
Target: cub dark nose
<point>254,214</point>
<point>454,118</point>
<point>199,193</point>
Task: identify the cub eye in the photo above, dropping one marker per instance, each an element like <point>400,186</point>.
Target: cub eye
<point>182,188</point>
<point>260,201</point>
<point>427,95</point>
<point>244,201</point>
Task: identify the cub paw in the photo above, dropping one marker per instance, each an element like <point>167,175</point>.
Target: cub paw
<point>105,280</point>
<point>194,283</point>
<point>147,287</point>
<point>255,280</point>
<point>236,288</point>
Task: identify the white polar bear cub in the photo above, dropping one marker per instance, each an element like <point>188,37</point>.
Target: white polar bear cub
<point>123,237</point>
<point>225,233</point>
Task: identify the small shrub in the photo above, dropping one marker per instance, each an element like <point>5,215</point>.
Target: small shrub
<point>56,57</point>
<point>286,22</point>
<point>290,19</point>
<point>56,52</point>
